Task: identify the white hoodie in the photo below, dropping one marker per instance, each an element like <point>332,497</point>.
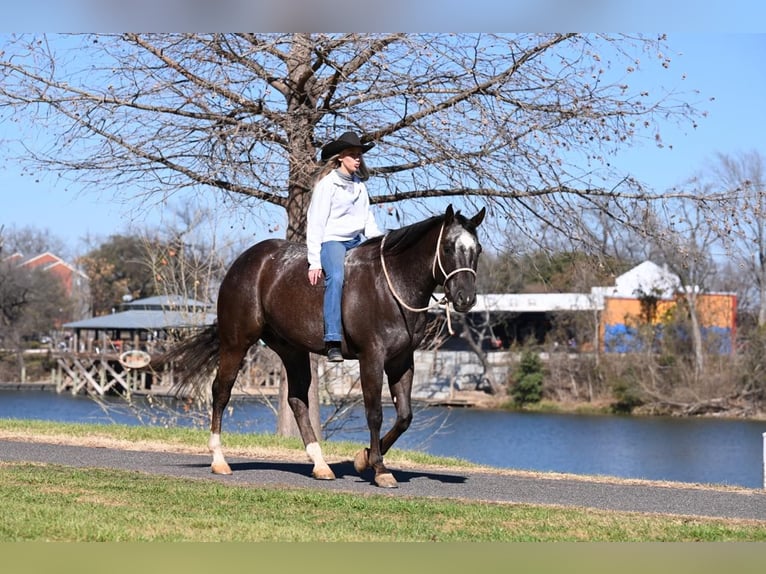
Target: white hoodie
<point>339,211</point>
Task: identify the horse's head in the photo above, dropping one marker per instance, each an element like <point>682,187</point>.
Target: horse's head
<point>457,256</point>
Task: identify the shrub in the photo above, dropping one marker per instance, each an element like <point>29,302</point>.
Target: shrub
<point>627,396</point>
<point>528,377</point>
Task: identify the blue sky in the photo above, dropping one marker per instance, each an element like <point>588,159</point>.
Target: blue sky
<point>727,67</point>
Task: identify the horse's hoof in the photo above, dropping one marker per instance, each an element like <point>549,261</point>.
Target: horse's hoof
<point>220,468</point>
<point>386,480</point>
<point>361,461</point>
<point>323,473</point>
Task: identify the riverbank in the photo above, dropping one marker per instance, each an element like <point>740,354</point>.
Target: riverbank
<point>34,386</point>
<point>720,408</point>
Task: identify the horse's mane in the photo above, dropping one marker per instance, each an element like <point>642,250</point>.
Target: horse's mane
<point>399,240</point>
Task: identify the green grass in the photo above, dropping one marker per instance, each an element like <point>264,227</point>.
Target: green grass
<point>547,406</point>
<point>56,503</point>
<point>53,503</point>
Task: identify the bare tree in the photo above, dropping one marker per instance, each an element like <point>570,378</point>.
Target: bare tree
<point>525,122</point>
<point>32,303</point>
<point>187,257</point>
<point>743,228</point>
<point>685,246</point>
<point>29,241</point>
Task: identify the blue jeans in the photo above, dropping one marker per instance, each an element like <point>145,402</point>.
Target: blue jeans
<point>333,257</point>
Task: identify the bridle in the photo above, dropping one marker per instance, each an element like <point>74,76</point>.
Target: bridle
<point>447,276</point>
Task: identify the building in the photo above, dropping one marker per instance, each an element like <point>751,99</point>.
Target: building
<point>112,353</point>
<point>614,312</point>
<point>72,279</point>
<point>141,324</point>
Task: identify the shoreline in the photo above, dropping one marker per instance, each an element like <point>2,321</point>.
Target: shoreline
<point>462,399</point>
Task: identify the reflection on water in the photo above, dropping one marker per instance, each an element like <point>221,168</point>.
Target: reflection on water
<point>657,448</point>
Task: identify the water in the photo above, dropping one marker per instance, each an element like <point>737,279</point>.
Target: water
<point>656,448</point>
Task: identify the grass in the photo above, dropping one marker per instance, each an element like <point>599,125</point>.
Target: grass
<point>54,503</point>
<point>555,407</point>
<point>57,503</point>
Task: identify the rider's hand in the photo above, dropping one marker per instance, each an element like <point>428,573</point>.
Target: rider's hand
<point>314,276</point>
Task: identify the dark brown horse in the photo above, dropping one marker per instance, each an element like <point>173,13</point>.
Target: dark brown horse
<point>389,283</point>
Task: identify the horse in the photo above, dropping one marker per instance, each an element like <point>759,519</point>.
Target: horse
<point>389,282</point>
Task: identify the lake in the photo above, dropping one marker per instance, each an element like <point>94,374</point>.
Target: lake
<point>696,450</point>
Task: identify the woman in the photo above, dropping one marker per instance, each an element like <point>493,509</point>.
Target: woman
<point>339,218</point>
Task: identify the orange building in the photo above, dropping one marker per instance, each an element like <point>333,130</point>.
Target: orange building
<point>621,318</point>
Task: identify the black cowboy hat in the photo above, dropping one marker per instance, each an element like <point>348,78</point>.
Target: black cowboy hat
<point>348,139</point>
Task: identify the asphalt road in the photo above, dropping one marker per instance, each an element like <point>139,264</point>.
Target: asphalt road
<point>679,499</point>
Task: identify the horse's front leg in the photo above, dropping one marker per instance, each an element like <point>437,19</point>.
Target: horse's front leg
<point>400,384</point>
<point>372,384</point>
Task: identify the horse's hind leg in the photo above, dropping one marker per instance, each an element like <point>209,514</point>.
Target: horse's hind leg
<point>229,363</point>
<point>298,368</point>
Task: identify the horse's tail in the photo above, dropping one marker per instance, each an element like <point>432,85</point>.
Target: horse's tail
<point>193,361</point>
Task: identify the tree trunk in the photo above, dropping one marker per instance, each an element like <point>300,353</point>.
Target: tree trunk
<point>302,164</point>
<point>495,388</point>
<point>697,349</point>
<point>286,425</point>
<point>297,206</point>
<point>762,298</point>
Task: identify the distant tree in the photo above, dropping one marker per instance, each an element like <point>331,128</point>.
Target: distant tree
<point>30,241</point>
<point>32,303</point>
<point>549,270</point>
<point>177,259</point>
<point>185,258</point>
<point>742,179</point>
<point>528,378</point>
<point>116,268</point>
<point>682,239</point>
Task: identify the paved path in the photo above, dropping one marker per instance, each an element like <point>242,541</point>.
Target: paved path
<point>643,497</point>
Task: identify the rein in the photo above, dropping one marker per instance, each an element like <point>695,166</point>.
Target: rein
<point>437,259</point>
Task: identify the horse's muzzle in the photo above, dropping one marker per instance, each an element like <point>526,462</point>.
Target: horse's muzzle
<point>462,301</point>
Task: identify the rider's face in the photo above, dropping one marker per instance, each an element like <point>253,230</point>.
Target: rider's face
<point>350,159</point>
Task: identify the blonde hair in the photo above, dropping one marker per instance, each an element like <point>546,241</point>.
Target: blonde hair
<point>333,162</point>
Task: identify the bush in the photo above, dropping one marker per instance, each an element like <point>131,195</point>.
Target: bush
<point>627,397</point>
<point>528,377</point>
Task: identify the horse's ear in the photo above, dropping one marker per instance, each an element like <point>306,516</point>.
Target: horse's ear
<point>479,217</point>
<point>449,215</point>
